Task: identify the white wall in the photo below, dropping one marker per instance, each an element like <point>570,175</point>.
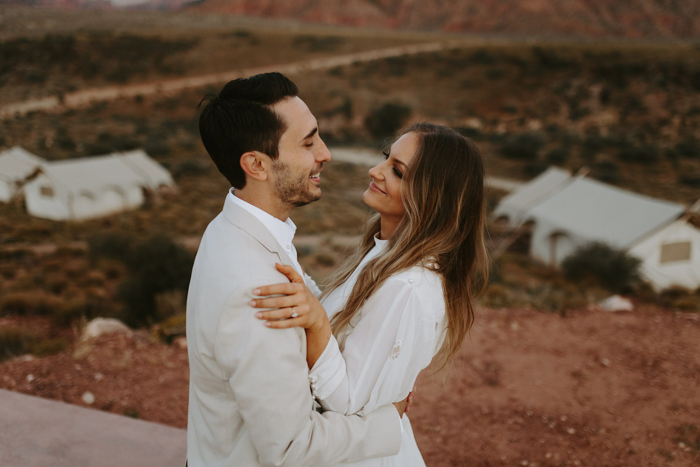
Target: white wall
<point>664,275</point>
<point>81,205</point>
<point>6,191</point>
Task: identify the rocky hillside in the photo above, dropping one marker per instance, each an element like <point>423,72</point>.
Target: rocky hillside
<point>648,19</point>
<point>586,18</point>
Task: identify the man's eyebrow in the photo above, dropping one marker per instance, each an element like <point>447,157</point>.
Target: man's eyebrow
<point>311,133</point>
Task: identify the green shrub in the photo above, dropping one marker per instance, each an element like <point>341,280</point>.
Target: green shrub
<point>15,342</point>
<point>27,303</point>
<point>611,268</point>
<point>645,154</point>
<point>525,146</point>
<point>110,245</point>
<point>557,156</point>
<point>46,347</point>
<point>689,148</point>
<point>156,265</point>
<point>386,120</point>
<point>607,171</point>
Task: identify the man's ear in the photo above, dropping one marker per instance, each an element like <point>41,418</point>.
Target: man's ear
<point>256,165</point>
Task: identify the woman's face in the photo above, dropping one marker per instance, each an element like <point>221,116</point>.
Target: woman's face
<point>384,192</point>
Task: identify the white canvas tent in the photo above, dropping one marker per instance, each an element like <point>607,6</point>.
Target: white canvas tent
<point>78,189</point>
<point>16,165</point>
<point>570,213</point>
<point>671,256</point>
<point>514,207</point>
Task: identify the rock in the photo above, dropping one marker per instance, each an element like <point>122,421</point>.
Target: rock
<point>181,342</point>
<point>616,303</point>
<point>88,398</point>
<point>100,326</point>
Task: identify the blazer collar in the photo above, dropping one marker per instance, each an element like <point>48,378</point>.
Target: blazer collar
<point>247,222</point>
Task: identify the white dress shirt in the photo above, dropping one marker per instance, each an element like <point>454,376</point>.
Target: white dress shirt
<point>389,341</point>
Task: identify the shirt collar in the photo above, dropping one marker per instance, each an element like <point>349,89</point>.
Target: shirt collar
<point>379,243</point>
<point>282,231</point>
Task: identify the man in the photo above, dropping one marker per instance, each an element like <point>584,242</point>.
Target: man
<point>250,400</point>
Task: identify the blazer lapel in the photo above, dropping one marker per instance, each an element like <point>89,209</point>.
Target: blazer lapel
<point>250,224</point>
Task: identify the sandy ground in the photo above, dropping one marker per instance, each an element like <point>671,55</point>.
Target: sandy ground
<point>527,389</point>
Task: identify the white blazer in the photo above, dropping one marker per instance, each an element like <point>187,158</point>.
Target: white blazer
<point>250,401</point>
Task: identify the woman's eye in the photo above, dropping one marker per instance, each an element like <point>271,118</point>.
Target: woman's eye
<point>398,173</point>
<point>386,155</point>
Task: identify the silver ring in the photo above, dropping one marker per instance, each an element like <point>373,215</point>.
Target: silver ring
<point>294,313</point>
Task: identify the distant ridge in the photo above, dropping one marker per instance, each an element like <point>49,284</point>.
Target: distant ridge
<point>641,19</point>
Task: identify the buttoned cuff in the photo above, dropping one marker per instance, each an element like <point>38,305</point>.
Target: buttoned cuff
<point>328,372</point>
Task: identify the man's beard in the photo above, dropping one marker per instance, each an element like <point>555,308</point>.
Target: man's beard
<point>293,191</point>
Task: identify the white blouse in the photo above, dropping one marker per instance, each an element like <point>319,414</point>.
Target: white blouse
<point>390,340</point>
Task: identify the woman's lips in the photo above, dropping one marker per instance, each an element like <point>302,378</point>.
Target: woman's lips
<point>374,187</point>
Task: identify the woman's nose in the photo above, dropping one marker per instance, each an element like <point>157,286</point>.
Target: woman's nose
<point>375,172</point>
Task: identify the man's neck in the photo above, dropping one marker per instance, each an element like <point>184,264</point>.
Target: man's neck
<point>264,202</point>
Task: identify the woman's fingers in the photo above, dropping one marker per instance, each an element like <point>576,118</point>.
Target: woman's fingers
<point>279,302</point>
<point>279,289</point>
<point>282,313</point>
<point>286,323</point>
<point>289,271</point>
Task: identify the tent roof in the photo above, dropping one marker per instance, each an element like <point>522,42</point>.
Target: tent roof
<point>92,174</point>
<point>595,211</point>
<point>528,195</point>
<point>17,164</point>
<point>151,171</point>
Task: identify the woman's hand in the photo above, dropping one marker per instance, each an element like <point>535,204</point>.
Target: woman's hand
<point>296,307</point>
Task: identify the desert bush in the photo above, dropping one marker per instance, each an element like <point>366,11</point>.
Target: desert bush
<point>689,148</point>
<point>190,167</point>
<point>156,265</point>
<point>692,180</point>
<point>110,245</point>
<point>525,146</point>
<point>156,147</point>
<point>318,43</point>
<point>15,342</point>
<point>644,154</point>
<point>386,120</point>
<point>51,346</point>
<point>612,268</point>
<point>533,169</point>
<point>27,303</point>
<point>496,296</point>
<point>607,171</point>
<point>557,156</point>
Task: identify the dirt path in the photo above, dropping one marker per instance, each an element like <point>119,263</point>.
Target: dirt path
<point>527,389</point>
<point>88,96</point>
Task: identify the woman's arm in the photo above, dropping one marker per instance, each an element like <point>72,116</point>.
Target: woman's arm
<point>296,299</point>
<point>393,340</point>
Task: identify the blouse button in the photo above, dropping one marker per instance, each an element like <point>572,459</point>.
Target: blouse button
<point>411,281</point>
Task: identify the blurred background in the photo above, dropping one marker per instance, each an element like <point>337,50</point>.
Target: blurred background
<point>586,347</point>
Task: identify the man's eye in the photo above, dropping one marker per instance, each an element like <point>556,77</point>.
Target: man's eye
<point>398,173</point>
<point>308,145</point>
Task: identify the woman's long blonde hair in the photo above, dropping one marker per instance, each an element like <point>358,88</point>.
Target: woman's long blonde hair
<point>442,229</point>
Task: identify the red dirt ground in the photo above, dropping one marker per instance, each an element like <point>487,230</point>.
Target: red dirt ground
<point>527,389</point>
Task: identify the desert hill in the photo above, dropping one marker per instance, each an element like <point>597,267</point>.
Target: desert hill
<point>633,19</point>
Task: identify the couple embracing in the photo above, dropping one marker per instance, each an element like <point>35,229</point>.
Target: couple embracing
<point>281,373</point>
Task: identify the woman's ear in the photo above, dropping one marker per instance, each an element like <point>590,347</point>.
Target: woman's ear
<point>256,165</point>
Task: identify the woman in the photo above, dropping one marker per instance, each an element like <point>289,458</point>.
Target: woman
<point>405,295</point>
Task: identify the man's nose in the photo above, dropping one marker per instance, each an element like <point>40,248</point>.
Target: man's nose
<point>323,154</point>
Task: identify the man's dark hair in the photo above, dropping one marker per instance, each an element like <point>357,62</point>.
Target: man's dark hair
<point>240,119</point>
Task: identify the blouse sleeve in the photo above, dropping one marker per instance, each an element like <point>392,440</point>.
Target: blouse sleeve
<point>395,338</point>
